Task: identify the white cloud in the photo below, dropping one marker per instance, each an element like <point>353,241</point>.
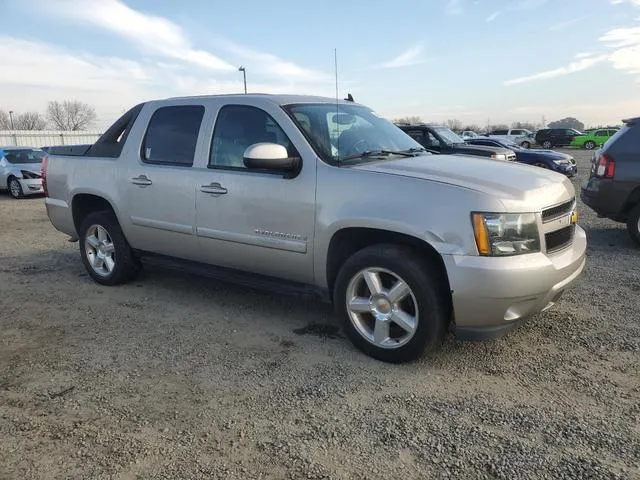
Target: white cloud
<point>453,7</point>
<point>272,65</point>
<point>492,17</point>
<point>582,55</point>
<point>632,2</point>
<point>411,56</point>
<point>158,35</point>
<point>626,45</point>
<point>152,33</point>
<point>35,72</point>
<point>573,67</point>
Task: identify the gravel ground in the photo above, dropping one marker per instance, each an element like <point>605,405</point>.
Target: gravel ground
<point>176,377</point>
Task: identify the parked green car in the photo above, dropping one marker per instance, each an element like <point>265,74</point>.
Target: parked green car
<point>593,138</point>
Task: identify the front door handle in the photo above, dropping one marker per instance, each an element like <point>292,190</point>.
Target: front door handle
<point>214,188</point>
<point>141,180</point>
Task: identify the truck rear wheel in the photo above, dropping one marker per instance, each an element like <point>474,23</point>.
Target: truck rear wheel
<point>105,252</point>
<point>392,305</point>
<point>633,224</point>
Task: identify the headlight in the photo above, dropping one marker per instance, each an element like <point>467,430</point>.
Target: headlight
<point>562,162</point>
<point>499,156</point>
<point>502,234</point>
<point>29,175</point>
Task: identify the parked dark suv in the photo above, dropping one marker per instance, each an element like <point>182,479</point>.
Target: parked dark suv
<point>613,189</point>
<point>439,139</point>
<point>556,137</point>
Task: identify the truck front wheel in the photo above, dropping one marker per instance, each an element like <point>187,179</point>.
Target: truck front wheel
<point>105,252</point>
<point>392,304</point>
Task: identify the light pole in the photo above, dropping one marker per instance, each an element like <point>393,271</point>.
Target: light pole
<point>244,75</point>
<point>11,118</point>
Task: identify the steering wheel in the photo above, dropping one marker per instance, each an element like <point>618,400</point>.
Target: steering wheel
<point>359,146</point>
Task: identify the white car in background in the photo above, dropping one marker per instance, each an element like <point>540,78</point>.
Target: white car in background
<point>523,137</point>
<point>20,170</point>
<point>469,134</point>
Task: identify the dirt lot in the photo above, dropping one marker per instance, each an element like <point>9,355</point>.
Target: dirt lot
<point>179,377</point>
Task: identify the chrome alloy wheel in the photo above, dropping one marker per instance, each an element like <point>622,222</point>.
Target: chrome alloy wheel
<point>382,307</point>
<point>100,250</point>
<point>14,188</point>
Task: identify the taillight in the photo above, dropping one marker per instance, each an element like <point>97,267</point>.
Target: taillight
<point>606,167</point>
<point>43,174</point>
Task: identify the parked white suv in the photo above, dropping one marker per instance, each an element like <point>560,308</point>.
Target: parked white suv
<point>523,137</point>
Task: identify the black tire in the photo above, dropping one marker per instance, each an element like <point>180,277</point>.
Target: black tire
<point>15,188</point>
<point>590,145</point>
<point>427,289</point>
<point>127,265</point>
<point>633,224</point>
<point>547,144</point>
<point>525,144</point>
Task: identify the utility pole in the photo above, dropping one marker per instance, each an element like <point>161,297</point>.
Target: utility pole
<point>11,118</point>
<point>244,75</point>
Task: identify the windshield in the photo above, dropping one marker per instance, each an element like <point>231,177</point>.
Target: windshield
<point>448,135</point>
<point>24,156</point>
<point>340,131</point>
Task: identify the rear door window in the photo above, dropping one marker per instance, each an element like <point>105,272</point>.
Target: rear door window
<point>172,135</point>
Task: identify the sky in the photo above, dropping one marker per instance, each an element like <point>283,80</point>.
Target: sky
<point>479,61</point>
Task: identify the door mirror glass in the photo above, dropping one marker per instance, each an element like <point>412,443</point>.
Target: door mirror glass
<point>269,156</point>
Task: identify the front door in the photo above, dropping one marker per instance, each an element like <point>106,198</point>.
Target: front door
<point>159,182</point>
<point>250,220</point>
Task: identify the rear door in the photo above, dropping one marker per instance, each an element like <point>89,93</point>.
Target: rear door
<point>257,221</point>
<point>159,180</point>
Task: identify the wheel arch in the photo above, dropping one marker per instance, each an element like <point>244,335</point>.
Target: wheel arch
<point>82,204</point>
<point>348,240</point>
<point>632,200</point>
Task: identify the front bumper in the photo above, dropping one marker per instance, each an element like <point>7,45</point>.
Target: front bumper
<point>31,186</point>
<point>492,295</point>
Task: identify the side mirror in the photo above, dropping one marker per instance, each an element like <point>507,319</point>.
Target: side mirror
<point>270,156</point>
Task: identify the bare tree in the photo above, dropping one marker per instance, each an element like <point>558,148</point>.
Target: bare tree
<point>454,124</point>
<point>30,121</point>
<point>473,128</point>
<point>410,119</point>
<point>569,122</point>
<point>71,115</point>
<point>5,122</point>
<point>525,125</point>
<point>498,126</point>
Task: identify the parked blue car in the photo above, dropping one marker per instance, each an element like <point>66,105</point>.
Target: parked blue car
<point>552,160</point>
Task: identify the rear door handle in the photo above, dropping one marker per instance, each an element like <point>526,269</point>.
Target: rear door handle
<point>141,180</point>
<point>214,188</point>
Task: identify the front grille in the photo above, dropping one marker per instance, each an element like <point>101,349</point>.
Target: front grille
<point>559,239</point>
<point>558,211</point>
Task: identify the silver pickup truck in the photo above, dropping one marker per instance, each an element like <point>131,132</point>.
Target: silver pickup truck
<point>311,194</point>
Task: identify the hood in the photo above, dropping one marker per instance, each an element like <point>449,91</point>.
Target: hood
<point>483,150</point>
<point>510,182</point>
<point>550,154</point>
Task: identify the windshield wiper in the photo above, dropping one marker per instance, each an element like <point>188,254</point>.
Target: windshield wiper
<point>382,153</point>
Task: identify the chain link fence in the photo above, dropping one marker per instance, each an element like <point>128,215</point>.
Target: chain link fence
<point>46,138</point>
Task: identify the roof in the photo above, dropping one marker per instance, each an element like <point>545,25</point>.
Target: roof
<point>631,121</point>
<point>280,99</point>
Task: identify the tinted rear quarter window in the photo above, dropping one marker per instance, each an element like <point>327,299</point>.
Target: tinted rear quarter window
<point>172,135</point>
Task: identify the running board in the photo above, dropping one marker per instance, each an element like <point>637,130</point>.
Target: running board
<point>229,275</point>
